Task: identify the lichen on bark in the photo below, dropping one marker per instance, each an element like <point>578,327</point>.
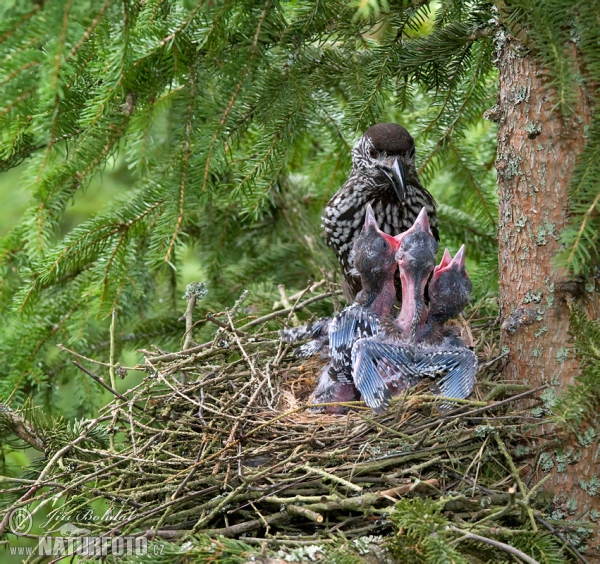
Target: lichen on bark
<point>538,148</point>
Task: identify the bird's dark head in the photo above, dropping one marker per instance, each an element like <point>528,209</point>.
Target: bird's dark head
<point>374,252</point>
<point>384,153</point>
<point>417,248</point>
<point>450,287</point>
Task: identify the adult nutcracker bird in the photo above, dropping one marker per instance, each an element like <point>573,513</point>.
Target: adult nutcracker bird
<point>383,175</point>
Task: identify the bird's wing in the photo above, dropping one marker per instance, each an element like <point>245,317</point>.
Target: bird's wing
<point>456,366</point>
<point>460,380</point>
<point>355,322</point>
<point>375,362</point>
<point>309,349</point>
<point>315,330</point>
<point>320,328</point>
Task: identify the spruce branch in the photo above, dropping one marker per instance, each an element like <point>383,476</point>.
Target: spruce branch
<point>501,545</point>
<point>21,428</point>
<point>234,96</point>
<point>16,26</point>
<point>586,217</point>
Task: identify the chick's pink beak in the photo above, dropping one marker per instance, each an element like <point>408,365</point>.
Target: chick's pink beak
<point>370,220</point>
<point>446,260</point>
<point>449,263</point>
<point>459,258</point>
<point>421,224</point>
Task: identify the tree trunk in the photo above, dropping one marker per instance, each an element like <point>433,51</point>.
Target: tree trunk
<point>537,152</point>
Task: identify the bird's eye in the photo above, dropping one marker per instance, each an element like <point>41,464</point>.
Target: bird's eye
<point>373,153</point>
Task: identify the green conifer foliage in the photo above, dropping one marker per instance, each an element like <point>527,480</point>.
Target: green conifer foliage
<point>234,120</point>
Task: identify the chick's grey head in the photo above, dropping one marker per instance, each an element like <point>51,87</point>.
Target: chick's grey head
<point>417,249</point>
<point>374,252</point>
<point>450,287</point>
<point>383,154</point>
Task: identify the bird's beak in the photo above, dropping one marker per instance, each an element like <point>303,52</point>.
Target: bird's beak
<point>395,173</point>
<point>444,263</point>
<point>448,263</point>
<point>398,178</point>
<point>459,259</point>
<point>446,259</point>
<point>370,221</point>
<point>421,224</point>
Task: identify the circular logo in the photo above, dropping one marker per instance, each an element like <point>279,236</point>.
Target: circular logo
<point>20,521</point>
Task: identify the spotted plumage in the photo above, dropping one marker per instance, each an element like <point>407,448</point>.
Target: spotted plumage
<point>384,176</point>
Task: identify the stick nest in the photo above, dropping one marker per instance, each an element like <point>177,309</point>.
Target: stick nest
<point>217,439</point>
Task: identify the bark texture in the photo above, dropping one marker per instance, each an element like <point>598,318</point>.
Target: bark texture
<point>537,152</point>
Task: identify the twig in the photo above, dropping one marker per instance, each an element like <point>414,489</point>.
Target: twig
<point>515,474</point>
<point>499,357</point>
<point>450,417</point>
<point>233,312</point>
<point>285,311</point>
<point>503,546</point>
<point>194,292</point>
<point>285,303</point>
<point>415,468</point>
<point>419,485</point>
<point>288,542</point>
<point>240,528</point>
<point>309,514</point>
<point>299,295</point>
<point>563,539</point>
<point>332,477</point>
<point>502,388</point>
<point>260,516</point>
<point>336,303</point>
<point>103,383</point>
<point>111,368</point>
<point>21,428</point>
<point>225,326</point>
<point>87,359</point>
<point>189,476</point>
